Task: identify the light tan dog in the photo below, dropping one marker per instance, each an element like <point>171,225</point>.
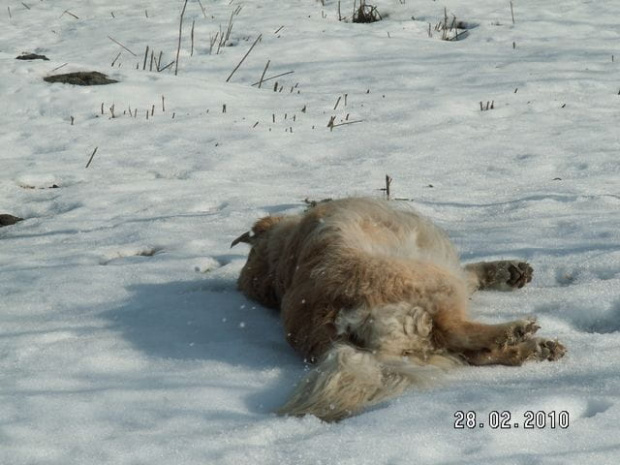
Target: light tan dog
<point>377,297</point>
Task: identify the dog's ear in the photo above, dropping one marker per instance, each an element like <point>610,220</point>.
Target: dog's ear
<point>260,227</point>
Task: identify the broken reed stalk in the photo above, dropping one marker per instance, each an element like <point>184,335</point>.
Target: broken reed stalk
<point>91,157</point>
<point>212,43</point>
<point>176,63</point>
<point>167,66</point>
<point>260,83</point>
<point>192,38</point>
<point>117,57</point>
<point>388,182</point>
<point>244,57</point>
<point>274,77</point>
<point>346,123</point>
<point>337,102</point>
<point>146,55</point>
<point>118,43</point>
<point>204,12</point>
<point>512,12</point>
<point>230,23</point>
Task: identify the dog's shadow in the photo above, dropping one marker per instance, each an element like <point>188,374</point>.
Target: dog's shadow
<point>207,319</point>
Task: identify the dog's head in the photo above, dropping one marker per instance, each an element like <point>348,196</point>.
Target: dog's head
<point>260,228</point>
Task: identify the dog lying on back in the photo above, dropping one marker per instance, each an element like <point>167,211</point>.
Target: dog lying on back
<point>376,296</point>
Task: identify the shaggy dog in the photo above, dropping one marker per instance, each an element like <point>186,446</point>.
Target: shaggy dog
<point>376,296</point>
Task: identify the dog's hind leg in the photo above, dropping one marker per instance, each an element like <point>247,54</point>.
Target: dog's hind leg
<point>535,349</point>
<point>503,275</point>
<point>460,335</point>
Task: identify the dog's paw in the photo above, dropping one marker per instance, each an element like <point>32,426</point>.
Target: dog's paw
<point>551,350</point>
<point>506,275</point>
<point>547,349</point>
<point>519,273</point>
<point>521,330</point>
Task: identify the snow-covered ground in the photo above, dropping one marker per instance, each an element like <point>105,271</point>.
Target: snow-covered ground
<point>122,337</point>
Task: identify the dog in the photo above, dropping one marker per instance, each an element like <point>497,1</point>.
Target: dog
<point>377,298</point>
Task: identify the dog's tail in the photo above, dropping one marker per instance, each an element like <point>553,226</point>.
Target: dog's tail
<point>349,379</point>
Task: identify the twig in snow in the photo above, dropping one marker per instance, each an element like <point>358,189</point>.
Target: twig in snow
<point>192,38</point>
<point>117,57</point>
<point>118,43</point>
<point>274,77</point>
<point>176,65</point>
<point>388,183</point>
<point>66,12</point>
<point>337,102</point>
<point>204,12</point>
<point>347,122</point>
<point>244,56</point>
<point>91,157</point>
<point>260,83</point>
<point>146,55</point>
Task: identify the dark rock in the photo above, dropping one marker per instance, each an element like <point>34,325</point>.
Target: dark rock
<point>81,78</point>
<point>32,56</point>
<point>8,220</point>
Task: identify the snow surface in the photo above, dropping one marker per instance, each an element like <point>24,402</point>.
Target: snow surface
<point>122,337</point>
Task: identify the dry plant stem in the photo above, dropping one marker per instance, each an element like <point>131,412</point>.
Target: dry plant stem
<point>260,83</point>
<point>146,54</point>
<point>337,102</point>
<point>118,43</point>
<point>347,122</point>
<point>244,57</point>
<point>388,183</point>
<point>204,12</point>
<point>512,12</point>
<point>275,77</point>
<point>168,65</point>
<point>192,38</point>
<point>10,15</point>
<point>91,157</point>
<point>176,65</point>
<point>117,57</point>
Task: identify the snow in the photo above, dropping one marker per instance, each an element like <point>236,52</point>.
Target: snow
<point>122,336</point>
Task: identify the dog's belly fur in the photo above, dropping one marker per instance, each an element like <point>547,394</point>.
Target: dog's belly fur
<point>342,262</point>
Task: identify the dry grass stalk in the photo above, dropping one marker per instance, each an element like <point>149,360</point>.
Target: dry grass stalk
<point>66,12</point>
<point>90,160</point>
<point>274,77</point>
<point>260,82</point>
<point>176,66</point>
<point>192,38</point>
<point>244,57</point>
<point>118,43</point>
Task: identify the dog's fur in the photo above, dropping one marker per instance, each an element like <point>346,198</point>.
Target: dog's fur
<point>377,297</point>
